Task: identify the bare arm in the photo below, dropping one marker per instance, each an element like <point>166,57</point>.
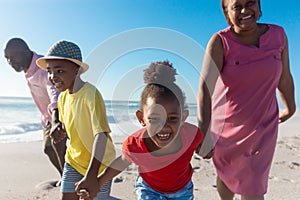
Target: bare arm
<point>57,132</point>
<point>89,181</point>
<point>116,167</point>
<point>286,87</point>
<point>211,68</point>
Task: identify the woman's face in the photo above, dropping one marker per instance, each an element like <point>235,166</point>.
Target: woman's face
<point>242,14</point>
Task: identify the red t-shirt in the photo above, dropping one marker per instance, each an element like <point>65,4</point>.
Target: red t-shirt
<point>168,173</point>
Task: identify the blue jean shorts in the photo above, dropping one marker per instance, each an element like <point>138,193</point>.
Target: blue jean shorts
<point>71,176</point>
<point>144,191</point>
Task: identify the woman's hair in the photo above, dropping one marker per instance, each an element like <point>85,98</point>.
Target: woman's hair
<point>224,9</point>
<point>160,80</point>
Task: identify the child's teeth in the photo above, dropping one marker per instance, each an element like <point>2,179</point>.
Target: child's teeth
<point>164,136</point>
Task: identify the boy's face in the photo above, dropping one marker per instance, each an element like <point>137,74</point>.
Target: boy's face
<point>62,74</point>
<point>162,117</point>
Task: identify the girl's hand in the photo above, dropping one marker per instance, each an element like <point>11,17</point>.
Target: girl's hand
<point>83,194</point>
<point>209,155</point>
<point>206,148</point>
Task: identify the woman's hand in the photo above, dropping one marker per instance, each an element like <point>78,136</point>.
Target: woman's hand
<point>285,115</point>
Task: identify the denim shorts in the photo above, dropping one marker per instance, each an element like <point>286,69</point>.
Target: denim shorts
<point>71,176</point>
<point>144,191</point>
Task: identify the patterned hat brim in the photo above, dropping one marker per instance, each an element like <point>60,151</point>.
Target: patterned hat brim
<point>41,62</point>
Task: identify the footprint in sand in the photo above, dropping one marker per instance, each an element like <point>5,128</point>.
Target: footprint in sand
<point>47,185</point>
<point>279,163</point>
<point>119,179</point>
<point>288,180</point>
<point>197,169</point>
<point>294,165</point>
<point>274,178</point>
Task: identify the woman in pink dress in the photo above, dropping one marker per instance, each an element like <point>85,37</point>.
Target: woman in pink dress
<point>244,65</point>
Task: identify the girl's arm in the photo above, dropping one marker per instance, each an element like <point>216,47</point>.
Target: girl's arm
<point>286,87</point>
<point>115,168</point>
<point>211,68</point>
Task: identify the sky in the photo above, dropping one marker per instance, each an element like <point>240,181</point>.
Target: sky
<point>119,38</point>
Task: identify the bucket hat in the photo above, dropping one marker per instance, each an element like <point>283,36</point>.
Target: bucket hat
<point>63,50</point>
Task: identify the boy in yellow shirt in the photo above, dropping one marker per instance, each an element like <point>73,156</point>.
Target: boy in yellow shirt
<point>83,116</point>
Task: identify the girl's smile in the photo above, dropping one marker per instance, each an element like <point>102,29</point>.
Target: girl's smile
<point>162,117</point>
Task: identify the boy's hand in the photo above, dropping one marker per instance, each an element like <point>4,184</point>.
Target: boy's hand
<point>87,186</point>
<point>57,132</point>
<point>83,194</point>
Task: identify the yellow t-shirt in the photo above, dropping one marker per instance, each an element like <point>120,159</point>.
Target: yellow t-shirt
<point>84,115</point>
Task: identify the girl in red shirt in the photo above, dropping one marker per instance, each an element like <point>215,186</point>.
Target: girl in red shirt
<point>163,149</point>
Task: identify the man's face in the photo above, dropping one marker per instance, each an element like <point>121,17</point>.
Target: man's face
<point>17,58</point>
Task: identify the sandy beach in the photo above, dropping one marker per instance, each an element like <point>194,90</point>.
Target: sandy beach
<point>27,174</point>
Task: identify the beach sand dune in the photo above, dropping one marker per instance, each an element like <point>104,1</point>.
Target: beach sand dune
<point>27,174</point>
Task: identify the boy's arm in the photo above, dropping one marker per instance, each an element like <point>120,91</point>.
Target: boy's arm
<point>57,132</point>
<point>89,181</point>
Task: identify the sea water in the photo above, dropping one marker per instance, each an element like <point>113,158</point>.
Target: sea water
<point>20,119</point>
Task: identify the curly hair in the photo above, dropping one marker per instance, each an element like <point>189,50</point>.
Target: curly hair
<point>160,80</point>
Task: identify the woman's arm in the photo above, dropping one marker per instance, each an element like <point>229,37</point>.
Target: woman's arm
<point>211,68</point>
<point>286,87</point>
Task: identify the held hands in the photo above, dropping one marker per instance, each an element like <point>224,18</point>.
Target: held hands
<point>210,154</point>
<point>206,148</point>
<point>284,115</point>
<point>57,132</point>
<point>87,188</point>
<point>84,195</point>
<point>205,153</point>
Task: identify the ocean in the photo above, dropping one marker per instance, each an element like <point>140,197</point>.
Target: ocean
<point>20,119</point>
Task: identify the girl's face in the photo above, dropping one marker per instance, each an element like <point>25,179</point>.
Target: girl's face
<point>242,14</point>
<point>62,74</point>
<point>163,118</point>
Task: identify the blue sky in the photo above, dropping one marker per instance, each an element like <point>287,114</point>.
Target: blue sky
<point>96,24</point>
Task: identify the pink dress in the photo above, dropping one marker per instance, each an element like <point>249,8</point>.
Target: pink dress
<point>245,111</point>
